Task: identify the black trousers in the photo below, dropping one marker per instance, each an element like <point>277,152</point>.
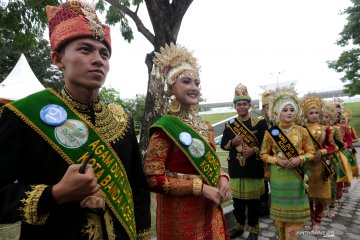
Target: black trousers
<point>264,199</point>
<point>253,207</point>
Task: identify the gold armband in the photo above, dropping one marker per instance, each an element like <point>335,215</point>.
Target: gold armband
<point>276,161</point>
<point>225,175</point>
<point>197,186</point>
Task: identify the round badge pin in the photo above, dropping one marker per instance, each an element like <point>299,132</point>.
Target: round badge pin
<point>275,132</point>
<point>197,148</point>
<point>327,161</point>
<point>72,134</point>
<point>185,138</point>
<point>232,121</point>
<point>53,115</point>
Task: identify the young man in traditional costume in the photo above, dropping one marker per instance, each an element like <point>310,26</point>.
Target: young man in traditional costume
<point>181,165</point>
<point>46,137</point>
<point>242,137</point>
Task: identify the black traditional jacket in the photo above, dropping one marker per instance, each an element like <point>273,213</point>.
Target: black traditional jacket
<point>29,167</point>
<point>241,167</point>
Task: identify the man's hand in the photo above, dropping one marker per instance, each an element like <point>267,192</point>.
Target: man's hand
<point>248,151</point>
<point>75,186</point>
<point>237,140</point>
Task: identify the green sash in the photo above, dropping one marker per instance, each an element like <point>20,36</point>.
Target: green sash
<point>74,140</point>
<point>238,128</point>
<point>198,152</point>
<point>328,172</point>
<point>286,147</point>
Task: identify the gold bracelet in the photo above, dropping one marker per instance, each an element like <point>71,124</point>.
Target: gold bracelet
<point>197,186</point>
<point>225,175</point>
<point>276,161</point>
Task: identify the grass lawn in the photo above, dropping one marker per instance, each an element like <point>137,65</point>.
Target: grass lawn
<point>218,117</point>
<point>355,119</point>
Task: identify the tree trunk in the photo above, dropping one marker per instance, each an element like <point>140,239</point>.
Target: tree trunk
<point>166,20</point>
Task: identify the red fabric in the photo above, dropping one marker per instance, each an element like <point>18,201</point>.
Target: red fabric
<point>68,22</point>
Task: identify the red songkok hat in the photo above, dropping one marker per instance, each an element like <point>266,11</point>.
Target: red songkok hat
<point>75,19</point>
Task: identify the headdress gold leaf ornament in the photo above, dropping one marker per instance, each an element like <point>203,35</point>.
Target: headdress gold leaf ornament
<point>280,98</point>
<point>265,97</point>
<point>328,109</point>
<point>172,60</point>
<point>241,93</point>
<point>347,112</point>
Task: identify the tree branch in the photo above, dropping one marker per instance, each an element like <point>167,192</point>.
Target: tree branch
<point>133,15</point>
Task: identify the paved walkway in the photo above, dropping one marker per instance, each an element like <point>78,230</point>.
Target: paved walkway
<point>346,224</point>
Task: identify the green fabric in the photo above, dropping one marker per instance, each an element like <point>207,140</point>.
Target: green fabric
<point>208,165</point>
<point>110,172</point>
<point>238,98</point>
<point>289,203</point>
<point>247,188</point>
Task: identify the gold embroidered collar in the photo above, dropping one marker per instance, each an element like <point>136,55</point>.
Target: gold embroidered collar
<point>195,121</point>
<point>110,120</point>
<point>243,119</point>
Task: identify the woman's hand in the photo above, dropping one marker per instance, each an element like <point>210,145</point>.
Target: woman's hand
<point>224,188</point>
<point>283,162</point>
<point>294,162</point>
<point>212,194</point>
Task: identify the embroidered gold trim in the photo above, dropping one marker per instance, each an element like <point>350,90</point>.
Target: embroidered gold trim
<point>110,120</point>
<point>109,223</point>
<point>196,122</point>
<point>144,235</point>
<point>30,206</point>
<point>228,145</point>
<point>93,227</point>
<point>197,186</point>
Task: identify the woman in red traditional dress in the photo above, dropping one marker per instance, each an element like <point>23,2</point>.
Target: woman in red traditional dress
<point>181,164</point>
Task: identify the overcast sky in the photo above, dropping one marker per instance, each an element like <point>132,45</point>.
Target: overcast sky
<point>254,42</point>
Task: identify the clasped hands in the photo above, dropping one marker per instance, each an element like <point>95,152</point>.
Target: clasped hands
<point>218,195</point>
<point>288,163</point>
<point>245,149</point>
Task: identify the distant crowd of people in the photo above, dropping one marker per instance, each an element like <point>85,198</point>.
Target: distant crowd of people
<point>71,166</point>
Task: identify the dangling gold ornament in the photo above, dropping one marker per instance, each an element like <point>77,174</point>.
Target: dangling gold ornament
<point>174,105</point>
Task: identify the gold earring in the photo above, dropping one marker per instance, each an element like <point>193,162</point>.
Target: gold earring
<point>174,105</point>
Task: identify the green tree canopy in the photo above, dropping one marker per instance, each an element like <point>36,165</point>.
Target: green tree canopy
<point>349,61</point>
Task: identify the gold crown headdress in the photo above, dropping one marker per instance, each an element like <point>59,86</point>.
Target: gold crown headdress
<point>281,98</point>
<point>328,108</point>
<point>265,97</point>
<point>309,102</point>
<point>172,60</point>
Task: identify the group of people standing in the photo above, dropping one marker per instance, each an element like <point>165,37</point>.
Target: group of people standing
<point>307,157</point>
<point>71,166</point>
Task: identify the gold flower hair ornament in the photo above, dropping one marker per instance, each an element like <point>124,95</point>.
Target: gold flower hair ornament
<point>347,112</point>
<point>90,14</point>
<point>328,109</point>
<point>281,98</point>
<point>171,61</point>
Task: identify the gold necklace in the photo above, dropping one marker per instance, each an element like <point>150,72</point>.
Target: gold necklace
<point>195,122</point>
